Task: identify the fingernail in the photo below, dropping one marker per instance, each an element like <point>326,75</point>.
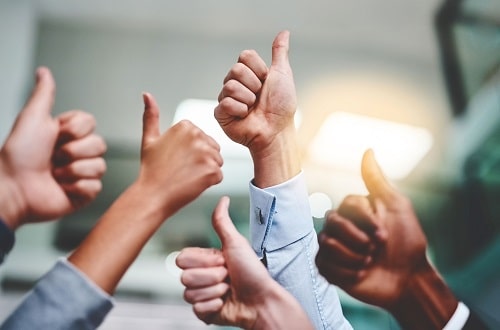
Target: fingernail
<point>145,99</point>
<point>38,74</point>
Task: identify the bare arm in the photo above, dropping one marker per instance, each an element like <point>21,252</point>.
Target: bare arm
<point>374,249</point>
<point>176,167</point>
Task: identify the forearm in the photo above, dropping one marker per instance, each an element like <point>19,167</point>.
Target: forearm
<point>427,303</point>
<point>12,203</point>
<point>118,237</point>
<point>279,161</point>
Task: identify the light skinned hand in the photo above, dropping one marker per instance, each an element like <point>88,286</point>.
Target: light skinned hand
<point>49,167</point>
<point>256,108</point>
<point>231,286</point>
<point>257,103</point>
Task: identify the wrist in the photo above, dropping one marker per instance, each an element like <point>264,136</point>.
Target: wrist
<point>157,205</point>
<point>13,206</point>
<point>277,161</point>
<point>426,301</point>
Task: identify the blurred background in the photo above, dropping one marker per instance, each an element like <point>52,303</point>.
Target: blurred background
<point>417,81</point>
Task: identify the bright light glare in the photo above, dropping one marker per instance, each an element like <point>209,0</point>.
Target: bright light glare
<point>171,266</point>
<point>320,203</point>
<point>344,137</point>
<point>201,113</point>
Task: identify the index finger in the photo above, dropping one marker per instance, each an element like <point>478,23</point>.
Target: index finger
<point>253,61</point>
<point>75,124</point>
<point>195,257</point>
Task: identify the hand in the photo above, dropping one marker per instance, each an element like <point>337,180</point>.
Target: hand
<point>175,168</point>
<point>256,109</point>
<point>49,167</point>
<point>374,248</point>
<point>232,287</point>
<point>257,103</point>
<point>178,165</point>
<point>373,245</point>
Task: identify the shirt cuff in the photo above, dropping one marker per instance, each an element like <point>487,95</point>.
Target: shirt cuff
<point>459,318</point>
<point>279,215</point>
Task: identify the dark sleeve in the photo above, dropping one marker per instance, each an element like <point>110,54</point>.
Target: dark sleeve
<point>7,239</point>
<point>63,299</point>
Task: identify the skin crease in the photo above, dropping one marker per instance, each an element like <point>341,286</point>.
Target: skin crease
<point>65,163</point>
<point>374,248</point>
<point>232,287</point>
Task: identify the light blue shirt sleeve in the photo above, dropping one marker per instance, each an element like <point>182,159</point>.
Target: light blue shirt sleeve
<point>64,298</point>
<point>282,231</point>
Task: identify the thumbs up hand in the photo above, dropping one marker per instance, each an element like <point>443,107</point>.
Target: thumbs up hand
<point>178,165</point>
<point>373,246</point>
<point>49,166</point>
<point>232,287</point>
<point>256,103</point>
<point>256,108</point>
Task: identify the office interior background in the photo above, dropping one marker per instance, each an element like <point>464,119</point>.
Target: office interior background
<point>417,81</point>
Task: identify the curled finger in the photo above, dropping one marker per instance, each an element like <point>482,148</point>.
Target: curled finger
<point>195,257</point>
<point>203,277</point>
<point>207,293</point>
<point>230,108</point>
<point>347,232</point>
<point>91,168</point>
<point>338,275</point>
<point>335,252</point>
<point>89,146</point>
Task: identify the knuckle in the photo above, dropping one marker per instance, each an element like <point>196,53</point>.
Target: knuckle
<point>350,200</point>
<point>101,167</point>
<point>184,124</point>
<point>103,147</point>
<point>225,104</point>
<point>247,54</point>
<point>90,119</point>
<point>185,279</point>
<point>230,87</point>
<point>188,296</point>
<point>237,69</point>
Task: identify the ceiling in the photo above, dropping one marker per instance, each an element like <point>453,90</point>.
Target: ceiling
<point>382,24</point>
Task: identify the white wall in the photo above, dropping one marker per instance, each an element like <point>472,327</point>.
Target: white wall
<point>17,44</point>
<point>104,70</point>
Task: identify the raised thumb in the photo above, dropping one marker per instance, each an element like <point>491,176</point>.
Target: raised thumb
<point>43,93</point>
<point>223,224</point>
<point>150,119</point>
<point>374,178</point>
<point>280,49</point>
